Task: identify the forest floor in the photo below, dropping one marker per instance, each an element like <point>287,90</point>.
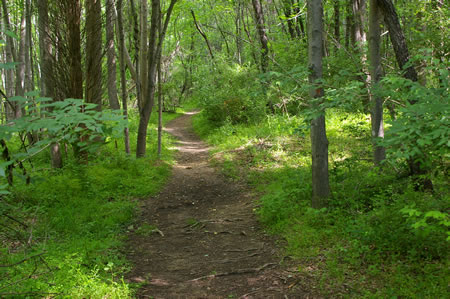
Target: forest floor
<point>199,238</point>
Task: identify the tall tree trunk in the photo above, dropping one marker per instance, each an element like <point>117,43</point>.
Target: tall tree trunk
<point>29,80</point>
<point>203,34</point>
<point>111,56</point>
<point>143,71</point>
<point>94,53</point>
<point>48,85</point>
<point>136,38</point>
<point>10,58</point>
<point>73,20</point>
<point>123,83</point>
<point>20,68</point>
<point>154,54</point>
<point>238,24</point>
<point>319,141</point>
<point>300,28</point>
<point>337,22</point>
<point>260,26</point>
<point>348,23</point>
<point>402,55</point>
<point>160,109</point>
<point>246,26</point>
<point>288,16</point>
<point>398,39</point>
<point>359,15</point>
<point>376,74</point>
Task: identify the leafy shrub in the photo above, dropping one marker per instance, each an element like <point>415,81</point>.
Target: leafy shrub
<point>421,131</point>
<point>236,96</point>
<point>416,231</point>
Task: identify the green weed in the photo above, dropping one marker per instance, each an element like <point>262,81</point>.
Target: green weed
<point>377,238</point>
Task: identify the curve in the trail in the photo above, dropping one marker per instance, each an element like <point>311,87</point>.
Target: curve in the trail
<point>203,240</point>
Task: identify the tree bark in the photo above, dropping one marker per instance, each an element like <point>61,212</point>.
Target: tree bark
<point>397,38</point>
<point>73,20</point>
<point>20,67</point>
<point>288,14</point>
<point>319,141</point>
<point>379,153</point>
<point>48,86</point>
<point>136,39</point>
<point>123,83</point>
<point>143,52</point>
<point>402,55</point>
<point>94,53</point>
<point>238,25</point>
<point>29,80</point>
<point>10,58</point>
<point>111,56</point>
<point>337,22</point>
<point>154,54</point>
<point>260,26</point>
<point>160,109</point>
<point>359,13</point>
<point>203,34</point>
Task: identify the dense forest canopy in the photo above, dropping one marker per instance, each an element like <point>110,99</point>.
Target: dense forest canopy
<point>361,87</point>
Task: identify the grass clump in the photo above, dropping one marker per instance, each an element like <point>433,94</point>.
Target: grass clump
<point>65,231</point>
<point>378,237</point>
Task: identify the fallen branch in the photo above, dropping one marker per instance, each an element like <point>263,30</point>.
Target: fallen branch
<point>237,272</point>
<point>22,261</point>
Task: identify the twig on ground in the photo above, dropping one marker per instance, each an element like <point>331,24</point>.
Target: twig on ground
<point>22,261</point>
<point>15,220</point>
<point>241,250</point>
<point>251,293</point>
<point>237,272</point>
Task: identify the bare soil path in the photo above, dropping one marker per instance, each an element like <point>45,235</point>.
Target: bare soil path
<point>208,243</point>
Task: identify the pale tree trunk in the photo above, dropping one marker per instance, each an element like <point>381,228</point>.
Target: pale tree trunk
<point>238,24</point>
<point>20,68</point>
<point>33,137</point>
<point>94,53</point>
<point>359,8</point>
<point>359,15</point>
<point>129,63</point>
<point>123,83</point>
<point>319,141</point>
<point>154,54</point>
<point>379,153</point>
<point>402,55</point>
<point>10,57</point>
<point>160,109</point>
<point>260,26</point>
<point>48,85</point>
<point>111,56</point>
<point>246,27</point>
<point>143,56</point>
<point>29,80</point>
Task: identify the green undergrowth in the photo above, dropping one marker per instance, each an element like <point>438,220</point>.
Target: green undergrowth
<point>66,230</point>
<point>377,238</point>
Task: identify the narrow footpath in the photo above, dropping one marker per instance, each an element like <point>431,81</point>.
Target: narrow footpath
<point>203,239</point>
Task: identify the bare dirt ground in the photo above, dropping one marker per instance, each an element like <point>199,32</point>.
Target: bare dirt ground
<point>203,239</point>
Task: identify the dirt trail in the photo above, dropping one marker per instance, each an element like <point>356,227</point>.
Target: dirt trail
<point>208,243</point>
